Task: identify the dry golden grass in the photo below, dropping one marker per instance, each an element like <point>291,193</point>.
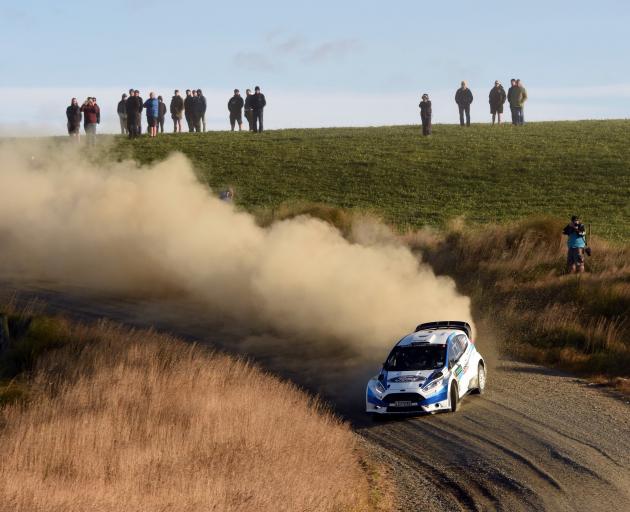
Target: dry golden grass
<point>516,275</point>
<point>123,420</point>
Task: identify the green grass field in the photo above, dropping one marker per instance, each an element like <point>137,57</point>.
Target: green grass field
<point>485,174</point>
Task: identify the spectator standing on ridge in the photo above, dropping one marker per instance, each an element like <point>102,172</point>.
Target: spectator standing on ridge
<point>132,118</point>
<point>73,114</point>
<point>139,113</point>
<point>122,114</point>
<point>576,244</point>
<point>188,110</point>
<point>235,107</point>
<point>425,114</point>
<point>496,99</point>
<point>98,113</point>
<point>258,104</point>
<point>177,109</point>
<point>91,114</point>
<point>249,109</point>
<point>89,98</point>
<point>519,97</point>
<point>202,105</point>
<point>512,100</point>
<point>152,105</point>
<point>463,98</point>
<point>161,113</point>
<point>195,111</point>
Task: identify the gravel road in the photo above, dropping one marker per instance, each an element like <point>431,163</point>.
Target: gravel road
<point>537,440</point>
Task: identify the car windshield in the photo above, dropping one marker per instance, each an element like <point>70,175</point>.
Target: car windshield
<point>413,358</point>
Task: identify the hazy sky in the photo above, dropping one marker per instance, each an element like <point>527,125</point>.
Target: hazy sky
<point>320,63</point>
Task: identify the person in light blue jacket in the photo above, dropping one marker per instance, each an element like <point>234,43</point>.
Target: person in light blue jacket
<point>576,244</point>
<point>152,107</point>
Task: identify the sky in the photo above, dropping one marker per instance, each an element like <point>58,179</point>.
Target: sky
<point>324,63</point>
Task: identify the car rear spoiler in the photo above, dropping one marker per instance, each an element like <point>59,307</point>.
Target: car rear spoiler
<point>453,324</point>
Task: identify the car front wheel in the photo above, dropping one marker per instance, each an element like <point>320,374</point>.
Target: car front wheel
<point>453,398</point>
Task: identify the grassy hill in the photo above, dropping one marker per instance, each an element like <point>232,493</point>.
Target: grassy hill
<point>486,174</point>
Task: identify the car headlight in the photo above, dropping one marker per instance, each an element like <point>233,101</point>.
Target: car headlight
<point>432,385</point>
<point>379,387</point>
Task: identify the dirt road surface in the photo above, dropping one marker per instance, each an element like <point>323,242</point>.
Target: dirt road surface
<point>537,440</point>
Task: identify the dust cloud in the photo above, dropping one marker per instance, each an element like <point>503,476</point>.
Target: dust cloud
<point>138,231</point>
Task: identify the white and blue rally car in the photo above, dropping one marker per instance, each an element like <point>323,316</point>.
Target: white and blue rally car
<point>429,370</point>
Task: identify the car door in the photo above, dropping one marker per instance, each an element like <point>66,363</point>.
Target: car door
<point>455,353</point>
<point>465,361</point>
<point>460,356</point>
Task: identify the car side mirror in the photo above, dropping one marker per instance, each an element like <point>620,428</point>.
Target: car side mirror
<point>381,377</point>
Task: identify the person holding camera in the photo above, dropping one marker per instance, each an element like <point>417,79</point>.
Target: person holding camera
<point>576,243</point>
<point>91,117</point>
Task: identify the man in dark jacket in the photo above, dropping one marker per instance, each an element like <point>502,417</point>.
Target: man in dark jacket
<point>122,114</point>
<point>202,105</point>
<point>258,104</point>
<point>425,114</point>
<point>136,93</point>
<point>161,113</point>
<point>196,120</point>
<point>133,108</point>
<point>511,98</point>
<point>73,114</point>
<point>235,107</point>
<point>188,110</point>
<point>496,99</point>
<point>249,109</point>
<point>463,98</point>
<point>177,110</point>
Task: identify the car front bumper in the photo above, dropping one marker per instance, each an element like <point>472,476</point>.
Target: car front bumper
<point>437,401</point>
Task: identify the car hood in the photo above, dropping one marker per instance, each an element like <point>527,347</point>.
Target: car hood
<point>412,378</point>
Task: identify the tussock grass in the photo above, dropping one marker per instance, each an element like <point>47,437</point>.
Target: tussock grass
<point>118,419</point>
<point>515,274</point>
<point>340,218</point>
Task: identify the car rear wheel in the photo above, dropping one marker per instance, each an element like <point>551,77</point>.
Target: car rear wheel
<point>481,379</point>
<point>453,398</point>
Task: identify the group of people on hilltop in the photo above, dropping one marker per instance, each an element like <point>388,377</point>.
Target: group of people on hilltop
<point>516,96</point>
<point>253,104</point>
<point>192,107</point>
<point>130,112</point>
<point>91,114</point>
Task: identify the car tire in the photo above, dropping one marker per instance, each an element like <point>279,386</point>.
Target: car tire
<point>453,398</point>
<point>480,387</point>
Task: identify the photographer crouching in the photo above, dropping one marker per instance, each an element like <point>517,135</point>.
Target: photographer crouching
<point>576,244</point>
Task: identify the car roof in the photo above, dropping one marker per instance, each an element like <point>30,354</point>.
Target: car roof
<point>429,336</point>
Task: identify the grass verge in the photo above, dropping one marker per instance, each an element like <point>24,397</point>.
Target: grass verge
<point>115,419</point>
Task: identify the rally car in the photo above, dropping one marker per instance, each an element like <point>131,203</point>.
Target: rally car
<point>429,370</point>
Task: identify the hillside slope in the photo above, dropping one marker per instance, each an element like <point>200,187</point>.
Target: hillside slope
<point>486,174</point>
